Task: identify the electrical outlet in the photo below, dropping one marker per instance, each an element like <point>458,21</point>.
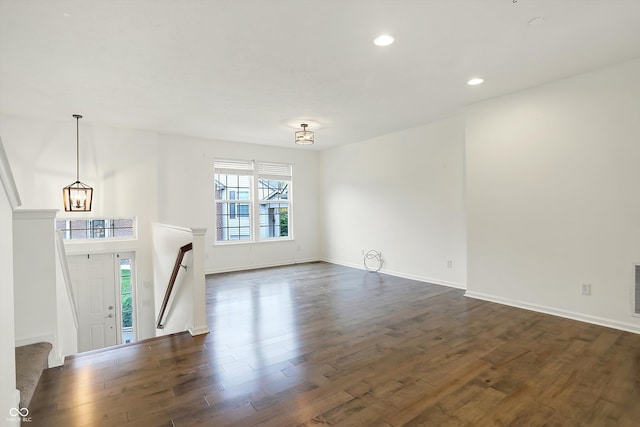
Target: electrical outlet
<point>450,263</point>
<point>585,289</point>
<point>362,252</point>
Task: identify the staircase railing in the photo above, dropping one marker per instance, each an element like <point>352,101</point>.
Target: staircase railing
<point>62,256</point>
<point>172,281</point>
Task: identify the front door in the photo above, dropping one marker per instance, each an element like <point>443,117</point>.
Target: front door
<point>94,283</point>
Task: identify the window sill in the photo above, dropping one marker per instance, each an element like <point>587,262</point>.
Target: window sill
<point>249,242</point>
<point>98,240</point>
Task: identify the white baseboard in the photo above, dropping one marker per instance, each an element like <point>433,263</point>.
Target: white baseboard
<point>609,323</point>
<point>258,266</point>
<point>55,360</point>
<point>202,330</point>
<point>403,275</point>
<point>342,263</point>
<point>16,399</point>
<point>426,279</point>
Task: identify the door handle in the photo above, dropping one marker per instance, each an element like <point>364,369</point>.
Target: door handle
<point>109,316</point>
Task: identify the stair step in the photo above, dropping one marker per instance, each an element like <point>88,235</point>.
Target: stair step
<point>31,360</point>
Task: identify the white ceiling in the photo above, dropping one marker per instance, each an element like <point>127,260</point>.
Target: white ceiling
<point>252,70</point>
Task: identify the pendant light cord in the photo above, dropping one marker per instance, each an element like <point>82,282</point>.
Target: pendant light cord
<point>77,148</point>
<point>78,117</point>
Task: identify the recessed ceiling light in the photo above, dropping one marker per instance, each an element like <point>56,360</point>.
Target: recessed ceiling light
<point>383,40</point>
<point>475,81</point>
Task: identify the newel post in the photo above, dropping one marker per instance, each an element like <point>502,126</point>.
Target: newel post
<point>199,295</point>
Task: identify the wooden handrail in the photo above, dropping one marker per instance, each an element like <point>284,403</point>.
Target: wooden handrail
<point>172,281</point>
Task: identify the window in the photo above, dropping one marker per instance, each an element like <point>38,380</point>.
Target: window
<point>126,297</point>
<point>273,193</point>
<point>103,228</point>
<point>252,200</point>
<point>233,182</point>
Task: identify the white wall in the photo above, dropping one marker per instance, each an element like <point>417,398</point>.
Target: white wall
<point>34,267</point>
<point>401,194</point>
<point>9,396</point>
<point>42,305</point>
<point>185,176</point>
<point>552,196</point>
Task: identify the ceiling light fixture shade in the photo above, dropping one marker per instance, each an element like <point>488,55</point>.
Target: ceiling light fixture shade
<point>77,196</point>
<point>304,136</point>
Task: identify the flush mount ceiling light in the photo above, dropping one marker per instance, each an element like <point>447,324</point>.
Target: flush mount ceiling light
<point>304,136</point>
<point>475,81</point>
<point>77,196</point>
<point>383,40</point>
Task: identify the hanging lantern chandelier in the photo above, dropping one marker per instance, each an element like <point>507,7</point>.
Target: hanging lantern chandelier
<point>77,196</point>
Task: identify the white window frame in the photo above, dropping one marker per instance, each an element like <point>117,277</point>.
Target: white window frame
<point>257,170</point>
<point>238,168</point>
<point>277,172</point>
<point>66,233</point>
<point>133,287</point>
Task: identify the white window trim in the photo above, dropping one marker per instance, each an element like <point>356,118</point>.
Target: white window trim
<point>133,291</point>
<point>289,209</point>
<point>254,199</point>
<point>93,240</point>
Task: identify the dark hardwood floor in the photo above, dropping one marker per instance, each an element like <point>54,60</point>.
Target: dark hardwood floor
<point>319,344</point>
